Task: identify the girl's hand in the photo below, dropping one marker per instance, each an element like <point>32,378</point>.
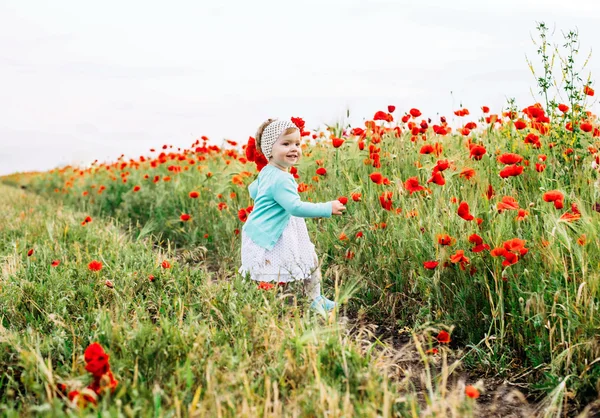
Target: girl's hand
<point>337,207</point>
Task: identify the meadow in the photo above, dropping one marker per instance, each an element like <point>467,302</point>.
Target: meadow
<point>468,254</point>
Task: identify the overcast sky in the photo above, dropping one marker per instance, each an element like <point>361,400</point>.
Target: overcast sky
<point>83,80</point>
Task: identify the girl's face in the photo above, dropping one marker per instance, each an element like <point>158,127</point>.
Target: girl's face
<point>286,150</point>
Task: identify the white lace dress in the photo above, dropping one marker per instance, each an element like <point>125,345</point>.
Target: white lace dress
<point>292,258</point>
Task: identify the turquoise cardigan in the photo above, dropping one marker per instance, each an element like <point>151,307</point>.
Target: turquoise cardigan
<point>276,199</point>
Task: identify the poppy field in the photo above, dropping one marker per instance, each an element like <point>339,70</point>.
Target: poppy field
<point>473,238</point>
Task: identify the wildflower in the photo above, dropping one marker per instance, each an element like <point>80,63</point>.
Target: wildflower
<point>554,196</point>
<point>415,113</point>
<point>343,200</point>
<point>479,245</point>
<point>55,263</point>
<point>337,142</point>
<point>445,239</point>
<point>588,90</point>
<point>477,152</point>
<point>165,264</point>
<point>467,173</point>
<point>109,284</point>
<point>522,214</point>
<point>391,108</point>
<point>185,217</point>
<point>437,178</point>
<point>321,171</point>
<point>443,337</point>
<point>30,253</point>
<point>412,185</point>
<point>265,285</point>
<point>356,196</point>
<point>430,265</point>
<point>510,158</point>
<point>520,124</point>
<point>136,189</point>
<point>471,392</point>
<point>95,265</point>
<point>511,171</point>
<point>376,178</point>
<point>507,203</point>
<point>459,257</point>
<point>386,200</point>
<point>464,211</point>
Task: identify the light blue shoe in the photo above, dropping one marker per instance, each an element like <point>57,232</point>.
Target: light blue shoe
<point>322,305</point>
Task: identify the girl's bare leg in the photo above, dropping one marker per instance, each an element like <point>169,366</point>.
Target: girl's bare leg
<point>312,285</point>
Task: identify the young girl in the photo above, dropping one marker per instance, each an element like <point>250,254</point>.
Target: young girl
<point>275,242</point>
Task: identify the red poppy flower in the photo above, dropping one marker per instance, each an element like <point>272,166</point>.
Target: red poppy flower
<point>194,194</point>
<point>356,196</point>
<point>95,265</point>
<point>55,263</point>
<point>426,149</point>
<point>510,158</point>
<point>376,178</point>
<point>321,171</point>
<point>554,196</point>
<point>445,239</point>
<point>522,214</point>
<point>471,392</point>
<point>165,264</point>
<point>510,259</point>
<point>430,265</point>
<point>443,337</point>
<point>337,142</point>
<point>343,200</point>
<point>136,188</point>
<point>498,252</point>
<point>514,245</point>
<point>507,203</point>
<point>185,217</point>
<point>437,178</point>
<point>533,139</point>
<point>265,285</point>
<point>391,108</point>
<point>477,152</point>
<point>415,113</point>
<point>386,200</point>
<point>467,173</point>
<point>459,257</point>
<point>463,211</point>
<point>412,185</point>
<point>441,165</point>
<point>586,127</point>
<point>540,167</point>
<point>520,124</point>
<point>30,253</point>
<point>511,171</point>
<point>563,108</point>
<point>485,109</point>
<point>588,90</point>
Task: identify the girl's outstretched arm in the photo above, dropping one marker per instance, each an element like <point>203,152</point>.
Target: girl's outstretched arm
<point>286,194</point>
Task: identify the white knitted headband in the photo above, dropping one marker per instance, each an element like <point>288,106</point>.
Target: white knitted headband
<point>271,133</point>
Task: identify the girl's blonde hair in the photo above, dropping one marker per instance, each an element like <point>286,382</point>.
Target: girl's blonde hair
<point>262,128</point>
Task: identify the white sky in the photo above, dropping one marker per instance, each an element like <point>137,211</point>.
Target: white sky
<point>81,81</point>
